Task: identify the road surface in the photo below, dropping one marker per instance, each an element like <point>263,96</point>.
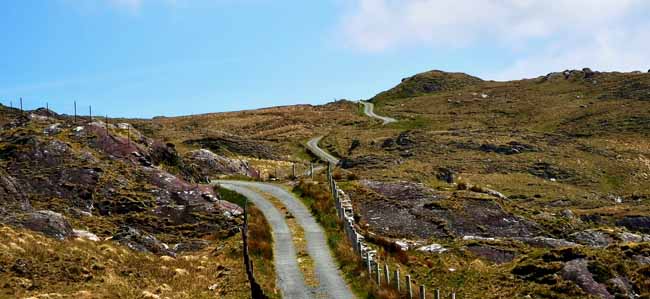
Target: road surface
<point>368,109</point>
<point>290,278</point>
<point>312,145</point>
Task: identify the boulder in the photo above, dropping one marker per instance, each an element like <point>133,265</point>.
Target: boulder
<point>52,129</point>
<point>627,237</point>
<point>568,214</point>
<point>50,223</point>
<point>82,234</point>
<point>433,248</point>
<point>636,223</point>
<point>578,272</point>
<point>446,175</point>
<point>592,238</point>
<point>404,139</point>
<point>141,241</point>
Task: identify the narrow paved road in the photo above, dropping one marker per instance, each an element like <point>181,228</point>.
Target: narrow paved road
<point>369,109</point>
<point>291,281</point>
<point>323,155</point>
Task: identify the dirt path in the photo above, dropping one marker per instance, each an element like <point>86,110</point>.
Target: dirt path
<point>368,109</point>
<point>312,145</point>
<point>290,279</point>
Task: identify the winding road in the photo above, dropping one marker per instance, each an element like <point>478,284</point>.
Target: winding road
<point>312,145</point>
<point>290,279</point>
<point>368,109</point>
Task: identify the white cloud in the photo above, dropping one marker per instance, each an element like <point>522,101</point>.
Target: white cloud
<point>544,35</point>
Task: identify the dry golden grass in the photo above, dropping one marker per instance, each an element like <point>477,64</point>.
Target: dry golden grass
<point>37,266</point>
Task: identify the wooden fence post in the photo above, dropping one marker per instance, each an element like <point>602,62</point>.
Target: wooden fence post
<point>75,112</point>
<point>90,112</point>
<point>423,292</point>
<point>436,293</point>
<point>387,273</point>
<point>409,287</point>
<point>397,286</point>
<point>369,263</point>
<point>21,105</point>
<point>378,274</point>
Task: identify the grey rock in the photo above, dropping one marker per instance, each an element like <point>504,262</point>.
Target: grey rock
<point>50,223</point>
<point>52,129</point>
<point>627,237</point>
<point>210,164</point>
<point>446,175</point>
<point>592,238</point>
<point>544,242</point>
<point>578,272</point>
<point>643,260</point>
<point>636,223</point>
<point>141,241</point>
<point>568,214</point>
<point>622,288</point>
<point>83,234</point>
<point>192,245</point>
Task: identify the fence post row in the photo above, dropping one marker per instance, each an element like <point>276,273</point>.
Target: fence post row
<point>369,255</point>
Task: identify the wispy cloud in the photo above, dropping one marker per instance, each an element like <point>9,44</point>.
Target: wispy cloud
<point>544,35</point>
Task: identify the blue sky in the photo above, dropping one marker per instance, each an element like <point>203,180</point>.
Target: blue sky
<point>142,58</point>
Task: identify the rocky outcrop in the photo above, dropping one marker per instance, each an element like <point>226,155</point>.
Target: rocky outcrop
<point>545,242</point>
<point>50,223</point>
<point>592,238</point>
<point>636,223</point>
<point>236,145</point>
<point>411,210</point>
<point>209,164</point>
<point>12,198</point>
<point>428,82</point>
<point>141,241</point>
<point>578,272</point>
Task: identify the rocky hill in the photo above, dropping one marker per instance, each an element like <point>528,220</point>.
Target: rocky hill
<point>104,183</point>
<point>535,188</point>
